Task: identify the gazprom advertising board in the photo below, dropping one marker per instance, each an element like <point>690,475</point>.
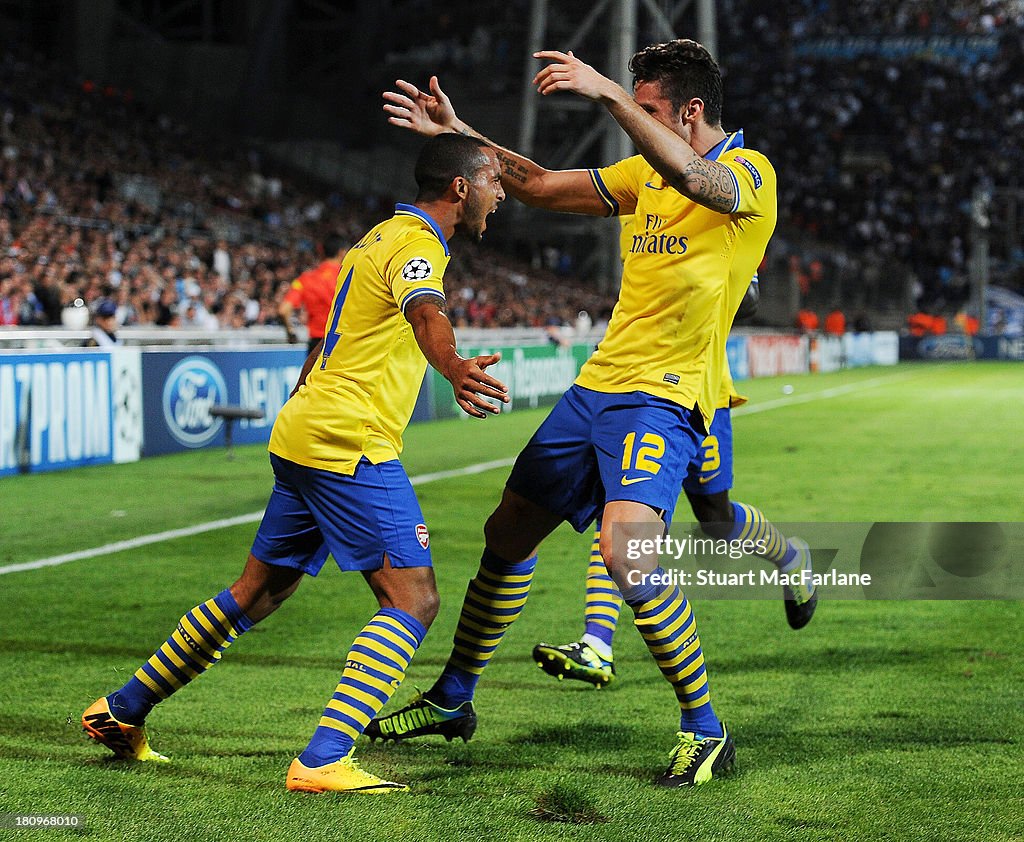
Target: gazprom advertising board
<point>181,388</point>
<point>63,409</point>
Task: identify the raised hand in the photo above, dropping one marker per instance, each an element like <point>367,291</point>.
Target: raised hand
<point>568,73</point>
<point>425,113</point>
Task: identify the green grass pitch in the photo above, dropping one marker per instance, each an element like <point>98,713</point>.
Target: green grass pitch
<point>880,720</point>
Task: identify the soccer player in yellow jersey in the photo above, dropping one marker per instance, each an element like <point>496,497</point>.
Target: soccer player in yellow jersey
<point>339,487</point>
<point>620,440</point>
<point>708,481</point>
<point>707,484</point>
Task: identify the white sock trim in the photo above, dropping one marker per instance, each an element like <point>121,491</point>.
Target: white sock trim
<point>598,645</point>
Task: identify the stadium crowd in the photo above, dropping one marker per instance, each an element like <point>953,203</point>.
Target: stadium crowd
<point>909,17</point>
<point>101,199</point>
<point>879,153</point>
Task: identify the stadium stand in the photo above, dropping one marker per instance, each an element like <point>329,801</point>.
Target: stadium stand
<point>101,197</point>
<point>877,169</point>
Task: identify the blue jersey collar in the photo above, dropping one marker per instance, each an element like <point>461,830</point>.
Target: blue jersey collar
<point>733,141</point>
<point>412,210</point>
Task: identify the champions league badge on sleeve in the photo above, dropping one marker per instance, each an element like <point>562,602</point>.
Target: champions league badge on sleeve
<point>192,387</point>
<point>417,269</point>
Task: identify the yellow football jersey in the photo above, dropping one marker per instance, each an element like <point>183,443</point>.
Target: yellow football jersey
<point>728,397</point>
<point>685,272</point>
<point>360,394</point>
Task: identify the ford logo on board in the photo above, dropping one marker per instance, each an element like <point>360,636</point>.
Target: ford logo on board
<point>193,386</point>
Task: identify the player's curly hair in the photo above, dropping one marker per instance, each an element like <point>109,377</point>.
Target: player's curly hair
<point>684,69</point>
<point>443,158</point>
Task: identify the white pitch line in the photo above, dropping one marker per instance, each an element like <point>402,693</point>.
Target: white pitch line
<point>132,543</point>
<point>478,468</point>
<point>209,526</point>
<point>421,479</point>
<point>832,392</point>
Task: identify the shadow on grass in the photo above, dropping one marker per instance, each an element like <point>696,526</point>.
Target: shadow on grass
<point>830,660</point>
<point>85,649</point>
<point>884,732</point>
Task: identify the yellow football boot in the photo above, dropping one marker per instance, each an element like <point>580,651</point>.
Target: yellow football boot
<point>341,776</point>
<point>128,742</point>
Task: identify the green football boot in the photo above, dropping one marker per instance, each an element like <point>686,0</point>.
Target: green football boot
<point>695,761</point>
<point>421,718</point>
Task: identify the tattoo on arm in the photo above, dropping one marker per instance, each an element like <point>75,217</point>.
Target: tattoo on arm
<point>708,183</point>
<point>511,168</point>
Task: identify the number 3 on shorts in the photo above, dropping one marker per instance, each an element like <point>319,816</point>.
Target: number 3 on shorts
<point>712,458</point>
<point>651,449</point>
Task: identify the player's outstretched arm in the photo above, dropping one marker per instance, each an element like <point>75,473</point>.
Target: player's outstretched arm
<point>432,113</point>
<point>436,339</point>
<point>707,183</point>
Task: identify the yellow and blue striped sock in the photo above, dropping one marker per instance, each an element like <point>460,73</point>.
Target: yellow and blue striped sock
<point>666,622</point>
<point>196,645</point>
<point>603,600</point>
<point>494,598</point>
<point>374,669</point>
<point>750,524</point>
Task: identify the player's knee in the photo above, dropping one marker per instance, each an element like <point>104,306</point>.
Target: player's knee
<point>261,588</point>
<point>259,605</point>
<point>628,549</point>
<point>617,564</point>
<point>517,527</point>
<point>494,529</point>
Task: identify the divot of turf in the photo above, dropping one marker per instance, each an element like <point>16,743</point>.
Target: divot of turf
<point>566,804</point>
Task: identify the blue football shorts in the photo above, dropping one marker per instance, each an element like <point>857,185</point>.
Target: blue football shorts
<point>357,519</point>
<point>710,471</point>
<point>595,448</point>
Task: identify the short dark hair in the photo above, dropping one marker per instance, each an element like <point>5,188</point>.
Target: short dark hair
<point>445,157</point>
<point>684,69</point>
<point>333,243</point>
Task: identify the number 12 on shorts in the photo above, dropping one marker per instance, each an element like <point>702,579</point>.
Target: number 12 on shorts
<point>645,456</point>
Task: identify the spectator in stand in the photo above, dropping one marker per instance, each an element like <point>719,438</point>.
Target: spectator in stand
<point>965,324</point>
<point>104,326</point>
<point>313,292</point>
<point>222,260</point>
<point>926,324</point>
<point>10,302</point>
<point>807,321</point>
<point>835,323</point>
